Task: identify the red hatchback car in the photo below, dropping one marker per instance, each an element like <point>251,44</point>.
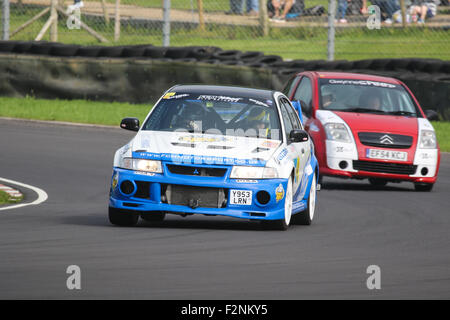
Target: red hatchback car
<point>366,126</point>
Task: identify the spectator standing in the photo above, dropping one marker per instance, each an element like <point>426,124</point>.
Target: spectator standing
<point>252,7</point>
<point>342,10</point>
<point>237,7</point>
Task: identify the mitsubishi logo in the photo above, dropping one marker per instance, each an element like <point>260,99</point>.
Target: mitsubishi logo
<point>386,139</point>
<point>196,171</point>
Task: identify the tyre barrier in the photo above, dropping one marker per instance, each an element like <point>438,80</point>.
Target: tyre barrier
<point>251,58</point>
<point>421,73</point>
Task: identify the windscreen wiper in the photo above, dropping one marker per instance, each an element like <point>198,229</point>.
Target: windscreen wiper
<point>402,113</point>
<point>360,110</point>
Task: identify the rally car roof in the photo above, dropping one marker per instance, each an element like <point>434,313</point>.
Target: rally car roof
<point>224,90</point>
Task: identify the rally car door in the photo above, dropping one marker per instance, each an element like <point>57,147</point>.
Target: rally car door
<point>299,151</point>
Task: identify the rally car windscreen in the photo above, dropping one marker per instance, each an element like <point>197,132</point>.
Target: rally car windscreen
<point>222,115</point>
<point>366,96</point>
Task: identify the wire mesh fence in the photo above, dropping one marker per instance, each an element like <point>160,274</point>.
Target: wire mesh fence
<point>293,29</point>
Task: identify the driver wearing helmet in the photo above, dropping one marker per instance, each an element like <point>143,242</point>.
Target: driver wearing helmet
<point>256,119</point>
<point>191,117</point>
<point>371,100</point>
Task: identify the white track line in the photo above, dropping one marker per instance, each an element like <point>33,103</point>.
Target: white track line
<point>42,195</point>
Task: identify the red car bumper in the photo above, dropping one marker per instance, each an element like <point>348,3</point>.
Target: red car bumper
<point>325,171</point>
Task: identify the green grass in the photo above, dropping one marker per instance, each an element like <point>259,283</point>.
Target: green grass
<point>292,43</point>
<point>5,198</point>
<point>80,111</point>
<point>443,135</point>
<point>106,113</point>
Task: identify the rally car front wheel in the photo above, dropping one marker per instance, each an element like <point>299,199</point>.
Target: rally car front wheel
<point>123,218</point>
<point>306,217</point>
<point>283,224</point>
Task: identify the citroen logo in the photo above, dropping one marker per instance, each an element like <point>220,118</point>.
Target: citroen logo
<point>386,139</point>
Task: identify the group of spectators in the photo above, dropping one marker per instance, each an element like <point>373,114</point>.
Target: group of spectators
<point>416,10</point>
<point>280,10</point>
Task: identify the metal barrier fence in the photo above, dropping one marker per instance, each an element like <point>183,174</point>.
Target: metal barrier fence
<point>293,29</point>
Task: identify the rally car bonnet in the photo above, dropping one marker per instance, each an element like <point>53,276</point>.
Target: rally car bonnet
<point>361,122</point>
<point>211,145</point>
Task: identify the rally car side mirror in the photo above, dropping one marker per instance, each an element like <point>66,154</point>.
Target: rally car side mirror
<point>298,135</point>
<point>432,115</point>
<point>130,124</point>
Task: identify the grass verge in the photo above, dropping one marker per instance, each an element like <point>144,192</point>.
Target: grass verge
<point>79,111</point>
<point>107,113</point>
<point>443,134</point>
<point>5,198</point>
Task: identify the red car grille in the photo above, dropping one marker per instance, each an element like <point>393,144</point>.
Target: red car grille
<point>384,167</point>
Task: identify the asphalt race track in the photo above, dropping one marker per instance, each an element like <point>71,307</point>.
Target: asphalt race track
<point>404,232</point>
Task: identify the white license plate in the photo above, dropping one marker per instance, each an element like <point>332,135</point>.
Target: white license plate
<point>241,197</point>
<point>386,154</point>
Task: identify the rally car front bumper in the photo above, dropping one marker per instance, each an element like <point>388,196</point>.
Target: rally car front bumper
<point>189,194</point>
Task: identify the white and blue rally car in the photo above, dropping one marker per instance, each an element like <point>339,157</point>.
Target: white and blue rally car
<point>216,150</point>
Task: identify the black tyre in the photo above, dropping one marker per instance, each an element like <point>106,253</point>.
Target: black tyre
<point>257,65</point>
<point>314,64</point>
<point>232,62</point>
<point>123,218</point>
<point>41,48</point>
<point>111,52</point>
<point>177,53</point>
<point>306,217</point>
<point>376,182</point>
<point>62,50</point>
<point>423,187</point>
<point>299,63</point>
<point>398,64</point>
<point>380,64</point>
<point>362,64</point>
<point>22,47</point>
<point>282,65</point>
<point>7,46</point>
<point>155,52</point>
<point>251,56</point>
<point>345,65</point>
<point>288,72</point>
<point>200,53</point>
<point>153,216</point>
<point>92,51</point>
<point>433,66</point>
<point>445,67</point>
<point>227,55</point>
<point>269,60</point>
<point>134,52</point>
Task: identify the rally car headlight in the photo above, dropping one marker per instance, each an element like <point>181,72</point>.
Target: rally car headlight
<point>242,172</point>
<point>337,132</point>
<point>427,140</point>
<point>142,165</point>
